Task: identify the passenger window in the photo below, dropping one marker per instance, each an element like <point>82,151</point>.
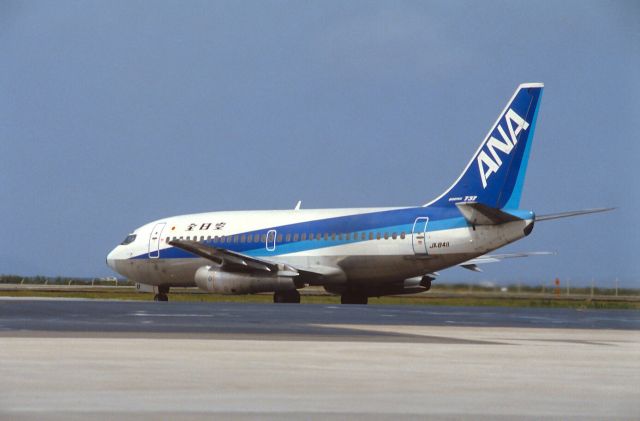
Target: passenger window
<point>256,238</point>
<point>216,239</point>
<point>236,238</point>
<point>167,240</point>
<point>326,236</point>
<point>386,235</point>
<point>208,238</point>
<point>279,238</point>
<point>223,239</point>
<point>394,235</point>
<point>340,237</point>
<point>370,236</point>
<point>303,236</point>
<point>378,236</point>
<point>402,235</point>
<point>263,238</point>
<point>347,236</point>
<point>288,237</point>
<point>333,236</point>
<point>243,239</point>
<point>296,236</point>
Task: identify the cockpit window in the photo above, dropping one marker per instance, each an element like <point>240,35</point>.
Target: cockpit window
<point>130,239</point>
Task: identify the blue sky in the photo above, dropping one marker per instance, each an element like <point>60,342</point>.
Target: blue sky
<point>113,114</point>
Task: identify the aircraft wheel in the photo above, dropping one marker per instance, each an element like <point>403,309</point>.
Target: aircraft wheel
<point>292,296</point>
<point>354,298</point>
<point>163,290</point>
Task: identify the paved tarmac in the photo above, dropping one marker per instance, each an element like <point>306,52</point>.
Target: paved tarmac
<point>79,359</point>
<point>309,321</point>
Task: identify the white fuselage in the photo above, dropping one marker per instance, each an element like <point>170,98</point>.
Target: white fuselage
<point>363,246</point>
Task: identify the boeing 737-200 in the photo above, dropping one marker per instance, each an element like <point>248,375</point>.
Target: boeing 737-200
<point>358,252</point>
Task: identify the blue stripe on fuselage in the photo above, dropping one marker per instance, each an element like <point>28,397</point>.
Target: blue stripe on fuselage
<point>390,221</point>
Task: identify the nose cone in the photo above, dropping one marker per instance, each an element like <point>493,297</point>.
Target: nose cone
<point>111,259</point>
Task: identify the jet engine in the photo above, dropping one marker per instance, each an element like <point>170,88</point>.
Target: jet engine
<point>215,280</point>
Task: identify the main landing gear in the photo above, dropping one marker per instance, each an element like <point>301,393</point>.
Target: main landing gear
<point>289,296</point>
<point>163,290</point>
<point>354,297</point>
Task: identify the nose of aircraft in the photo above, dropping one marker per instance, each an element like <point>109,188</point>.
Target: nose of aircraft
<point>111,259</point>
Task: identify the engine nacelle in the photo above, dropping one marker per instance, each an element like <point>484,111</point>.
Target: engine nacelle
<point>214,280</point>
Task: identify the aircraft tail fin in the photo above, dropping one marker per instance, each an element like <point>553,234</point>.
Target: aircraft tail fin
<point>495,175</point>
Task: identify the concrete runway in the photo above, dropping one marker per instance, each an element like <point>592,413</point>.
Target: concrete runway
<point>75,359</point>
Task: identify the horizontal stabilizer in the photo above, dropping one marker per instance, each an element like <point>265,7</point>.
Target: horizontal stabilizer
<point>494,258</point>
<point>479,214</point>
<point>472,267</point>
<point>570,213</point>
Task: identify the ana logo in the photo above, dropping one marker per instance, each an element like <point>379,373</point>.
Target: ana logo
<point>488,165</point>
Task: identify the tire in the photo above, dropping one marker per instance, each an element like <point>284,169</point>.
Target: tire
<point>291,296</point>
<point>354,298</point>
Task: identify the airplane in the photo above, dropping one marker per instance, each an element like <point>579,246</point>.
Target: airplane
<point>356,253</point>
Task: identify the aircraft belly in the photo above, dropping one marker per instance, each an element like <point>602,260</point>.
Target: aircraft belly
<point>175,272</point>
<point>382,269</point>
<point>371,268</point>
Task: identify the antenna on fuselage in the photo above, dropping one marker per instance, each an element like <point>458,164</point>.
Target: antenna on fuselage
<point>298,205</point>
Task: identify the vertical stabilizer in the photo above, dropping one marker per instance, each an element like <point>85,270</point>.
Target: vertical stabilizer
<point>495,174</point>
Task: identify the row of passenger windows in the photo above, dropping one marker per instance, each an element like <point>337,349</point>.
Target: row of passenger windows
<point>261,238</point>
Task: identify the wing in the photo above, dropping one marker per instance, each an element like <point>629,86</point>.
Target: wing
<point>494,258</point>
<point>232,261</point>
